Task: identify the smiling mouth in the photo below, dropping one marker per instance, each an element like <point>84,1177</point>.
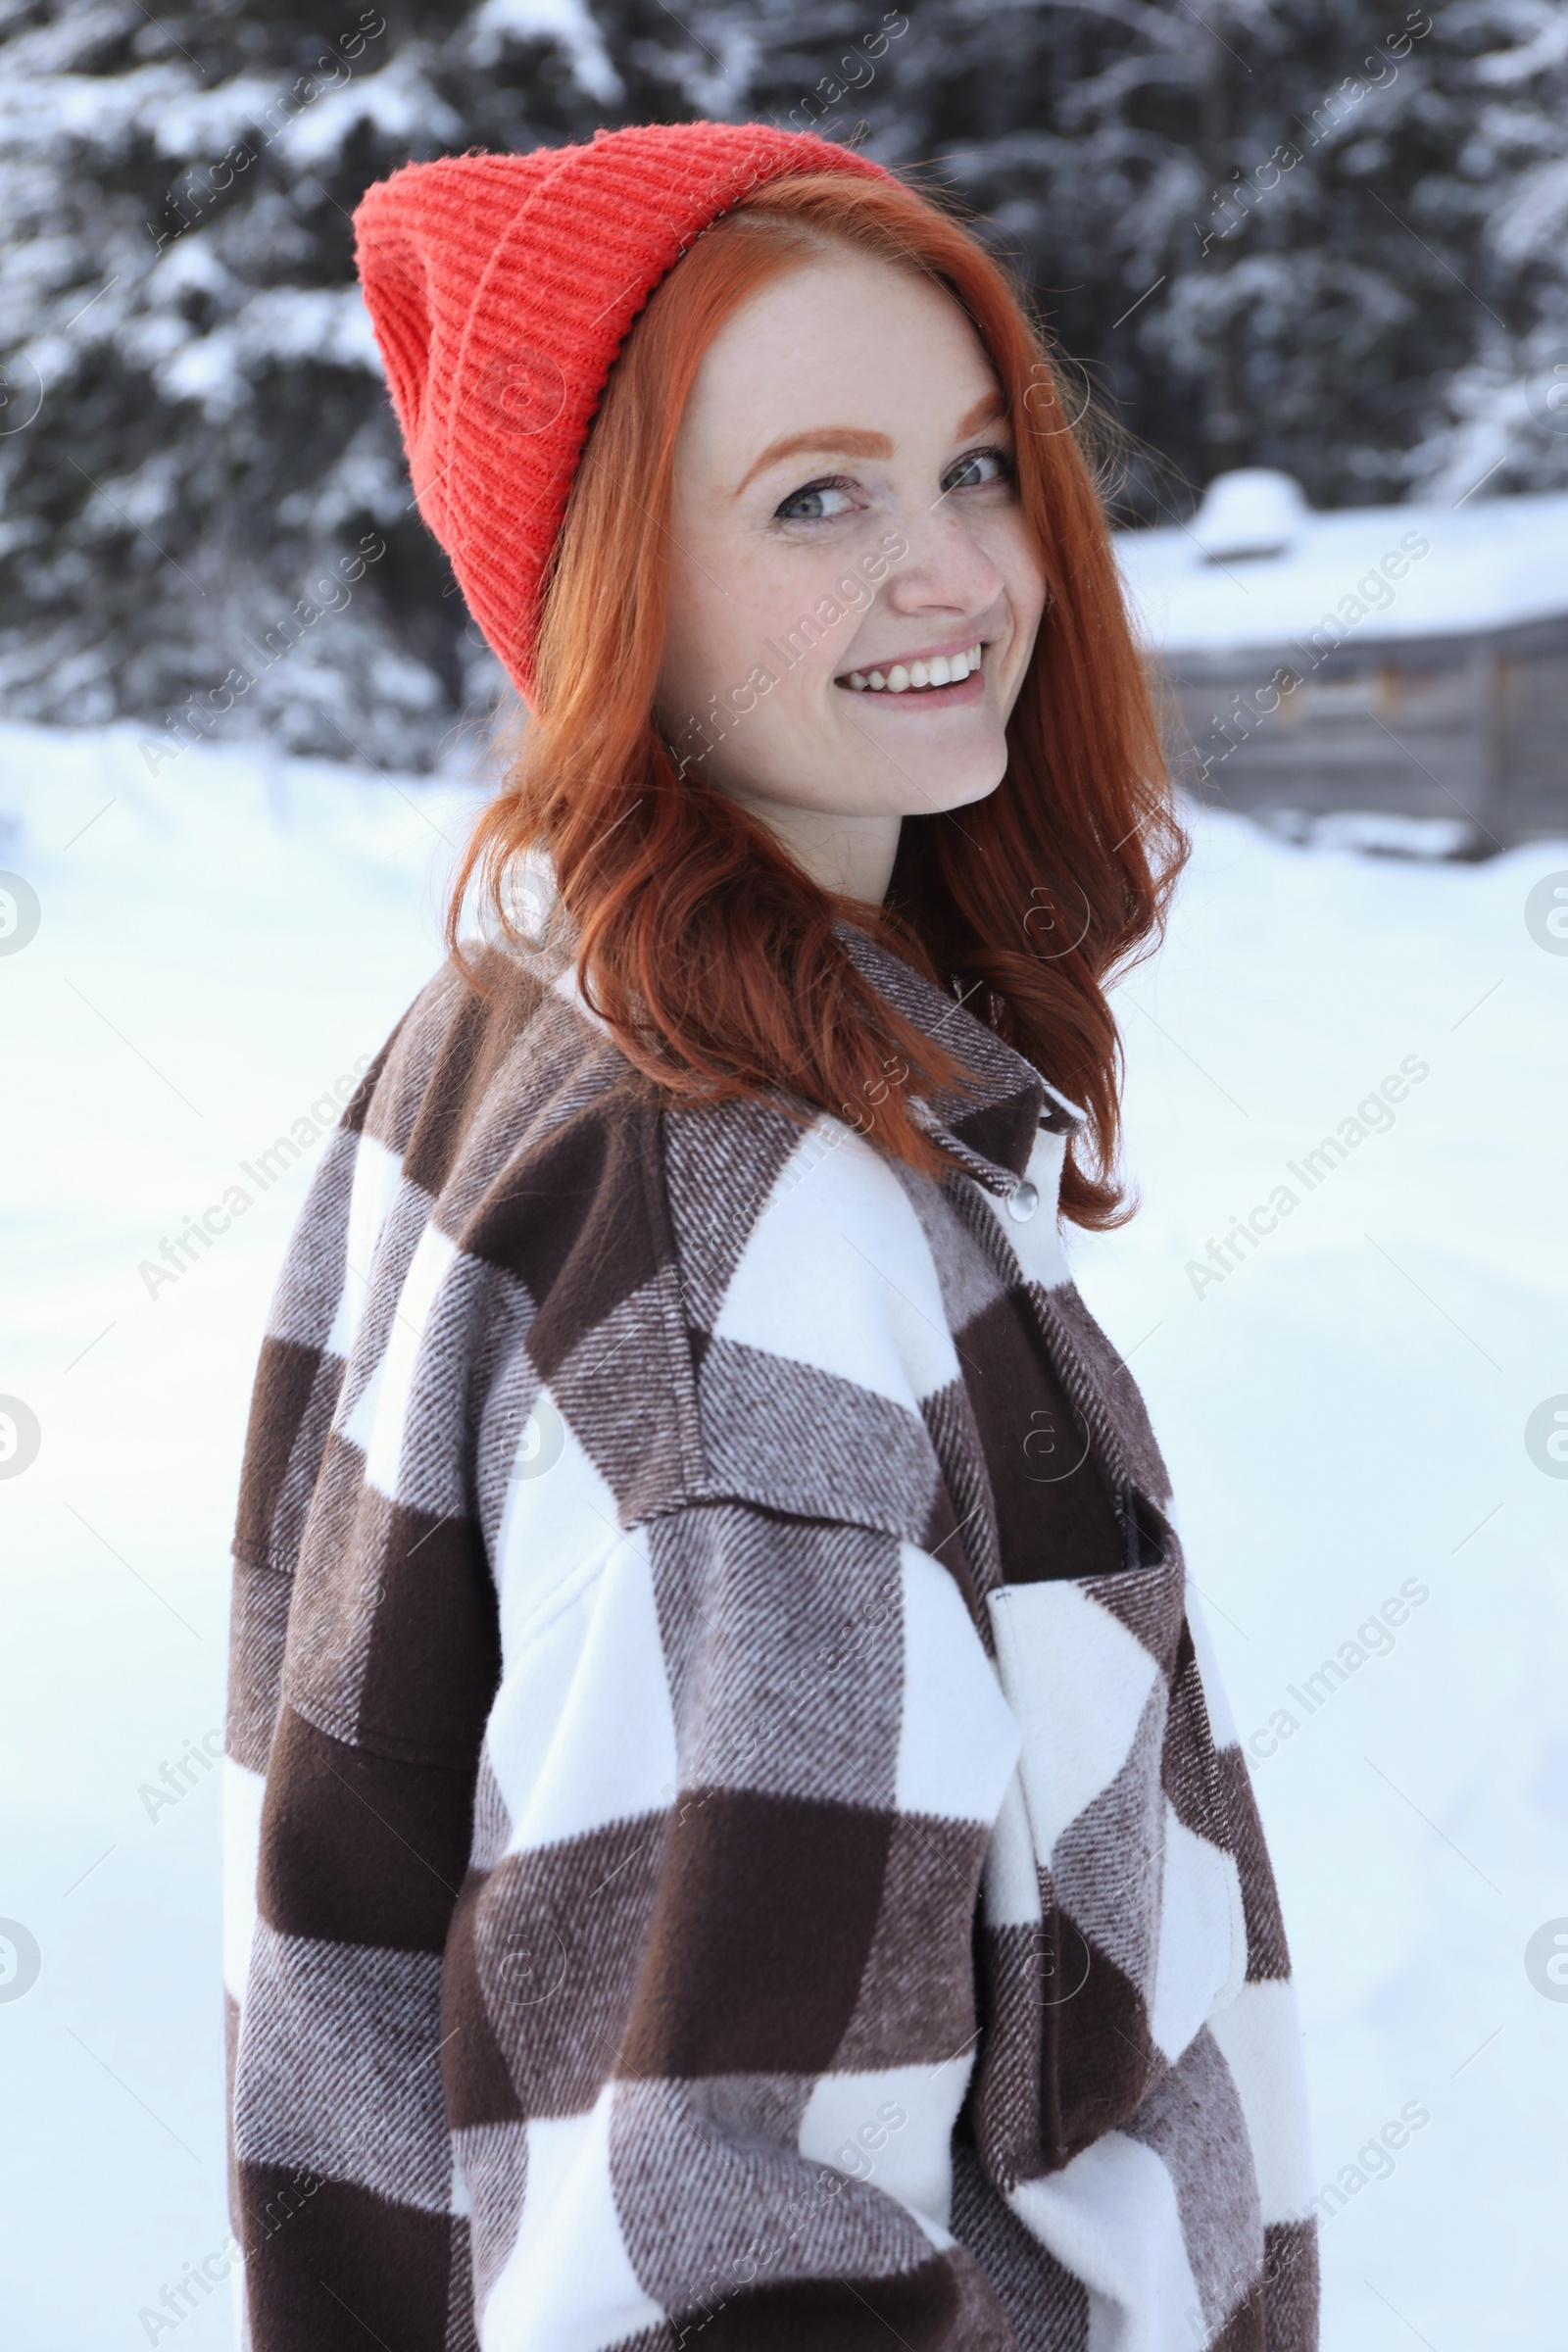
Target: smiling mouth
<point>925,676</point>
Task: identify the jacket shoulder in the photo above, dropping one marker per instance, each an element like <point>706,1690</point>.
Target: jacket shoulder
<point>726,1302</point>
<point>522,1147</point>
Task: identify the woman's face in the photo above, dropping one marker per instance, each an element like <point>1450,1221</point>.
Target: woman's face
<point>846,534</point>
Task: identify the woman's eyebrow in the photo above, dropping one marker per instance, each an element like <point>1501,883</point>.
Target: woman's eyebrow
<point>848,441</point>
<point>987,408</point>
<point>835,440</point>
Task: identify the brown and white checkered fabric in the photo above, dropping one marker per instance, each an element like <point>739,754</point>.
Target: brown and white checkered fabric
<point>733,1833</point>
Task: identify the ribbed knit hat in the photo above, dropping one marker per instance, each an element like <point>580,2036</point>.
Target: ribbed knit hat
<point>500,289</point>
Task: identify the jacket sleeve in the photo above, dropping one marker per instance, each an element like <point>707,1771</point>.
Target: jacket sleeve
<point>362,1659</point>
<point>709,2012</point>
<point>602,1882</point>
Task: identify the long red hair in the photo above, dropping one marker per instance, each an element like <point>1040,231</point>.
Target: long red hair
<point>710,954</point>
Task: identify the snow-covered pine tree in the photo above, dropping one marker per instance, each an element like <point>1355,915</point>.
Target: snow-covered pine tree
<point>1501,417</point>
<point>1279,231</point>
<point>206,520</point>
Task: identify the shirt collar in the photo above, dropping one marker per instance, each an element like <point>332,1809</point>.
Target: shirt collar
<point>990,1126</point>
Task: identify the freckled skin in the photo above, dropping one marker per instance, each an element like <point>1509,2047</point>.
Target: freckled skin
<point>847,343</point>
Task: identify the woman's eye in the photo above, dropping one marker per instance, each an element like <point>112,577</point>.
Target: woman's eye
<point>979,470</point>
<point>818,502</point>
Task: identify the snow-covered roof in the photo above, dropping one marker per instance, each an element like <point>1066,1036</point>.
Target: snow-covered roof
<point>1353,576</point>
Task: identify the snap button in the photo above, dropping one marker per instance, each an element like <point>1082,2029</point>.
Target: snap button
<point>1024,1202</point>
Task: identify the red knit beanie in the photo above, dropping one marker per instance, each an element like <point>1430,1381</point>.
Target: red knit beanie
<point>500,289</point>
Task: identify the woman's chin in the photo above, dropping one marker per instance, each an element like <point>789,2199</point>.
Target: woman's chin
<point>930,787</point>
<point>916,770</point>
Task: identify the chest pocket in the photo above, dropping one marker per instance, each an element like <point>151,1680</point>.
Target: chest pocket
<point>1142,1926</point>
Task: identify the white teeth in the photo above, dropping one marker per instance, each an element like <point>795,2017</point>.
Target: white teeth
<point>940,670</point>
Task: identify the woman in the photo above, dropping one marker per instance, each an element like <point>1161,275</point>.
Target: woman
<point>732,1841</point>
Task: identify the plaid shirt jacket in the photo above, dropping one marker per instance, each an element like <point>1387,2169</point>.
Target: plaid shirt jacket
<point>733,1835</point>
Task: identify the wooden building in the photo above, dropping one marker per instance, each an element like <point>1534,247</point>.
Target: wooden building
<point>1407,660</point>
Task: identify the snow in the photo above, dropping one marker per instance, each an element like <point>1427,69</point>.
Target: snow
<point>199,125</point>
<point>398,103</point>
<point>1506,69</point>
<point>328,324</point>
<point>1343,1411</point>
<point>107,109</point>
<point>1413,570</point>
<point>1371,830</point>
<point>495,24</point>
<point>1254,511</point>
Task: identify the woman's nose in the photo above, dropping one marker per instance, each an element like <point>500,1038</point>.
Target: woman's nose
<point>944,567</point>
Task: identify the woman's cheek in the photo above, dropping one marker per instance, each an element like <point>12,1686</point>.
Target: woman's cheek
<point>1018,561</point>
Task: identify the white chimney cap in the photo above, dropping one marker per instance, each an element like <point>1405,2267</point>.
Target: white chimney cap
<point>1257,510</point>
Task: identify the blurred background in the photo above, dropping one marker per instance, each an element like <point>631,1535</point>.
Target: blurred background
<point>1309,257</point>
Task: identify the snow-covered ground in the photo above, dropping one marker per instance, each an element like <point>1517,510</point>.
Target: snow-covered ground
<point>1344,1410</point>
